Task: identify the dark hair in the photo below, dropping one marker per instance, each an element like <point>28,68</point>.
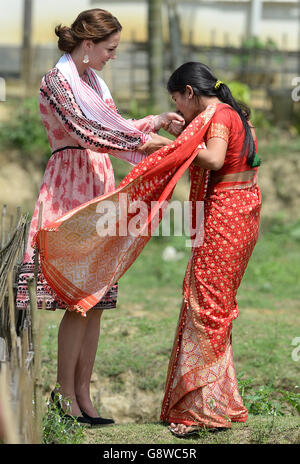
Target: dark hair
<point>202,80</point>
<point>96,25</point>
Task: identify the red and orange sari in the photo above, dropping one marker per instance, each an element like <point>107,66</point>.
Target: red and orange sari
<point>81,263</point>
<point>201,386</point>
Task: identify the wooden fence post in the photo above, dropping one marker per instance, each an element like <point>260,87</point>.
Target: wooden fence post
<point>36,334</point>
<point>3,225</point>
<point>20,379</point>
<point>10,431</point>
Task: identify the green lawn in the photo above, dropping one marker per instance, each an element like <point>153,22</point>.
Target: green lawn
<point>257,429</point>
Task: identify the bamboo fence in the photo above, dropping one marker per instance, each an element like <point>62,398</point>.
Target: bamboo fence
<point>20,340</point>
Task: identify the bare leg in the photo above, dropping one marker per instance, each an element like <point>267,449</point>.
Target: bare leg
<point>70,338</point>
<point>85,363</point>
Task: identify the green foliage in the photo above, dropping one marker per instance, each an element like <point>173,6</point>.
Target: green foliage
<point>274,269</point>
<point>255,42</point>
<point>290,230</point>
<point>292,398</point>
<point>241,92</point>
<point>249,46</point>
<point>261,120</point>
<point>26,132</point>
<point>267,400</point>
<point>138,111</point>
<point>261,402</point>
<point>57,429</point>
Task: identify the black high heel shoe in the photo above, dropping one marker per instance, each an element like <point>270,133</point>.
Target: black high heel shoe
<point>97,421</point>
<point>80,419</point>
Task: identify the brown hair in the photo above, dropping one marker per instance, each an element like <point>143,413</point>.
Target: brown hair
<point>96,25</point>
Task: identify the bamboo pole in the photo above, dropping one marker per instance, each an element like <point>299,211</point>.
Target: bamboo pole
<point>12,325</point>
<point>10,432</point>
<point>158,98</point>
<point>38,385</point>
<point>132,55</point>
<point>15,354</point>
<point>20,378</point>
<point>25,390</point>
<point>23,416</point>
<point>37,326</point>
<point>3,221</point>
<point>27,54</point>
<point>36,259</point>
<point>36,336</point>
<point>9,254</point>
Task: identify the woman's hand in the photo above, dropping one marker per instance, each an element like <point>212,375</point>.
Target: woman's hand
<point>171,122</point>
<point>156,142</point>
<point>176,127</point>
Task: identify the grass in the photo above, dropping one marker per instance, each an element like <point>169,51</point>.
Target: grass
<point>58,429</point>
<point>272,275</point>
<point>136,340</point>
<point>274,143</point>
<point>256,430</point>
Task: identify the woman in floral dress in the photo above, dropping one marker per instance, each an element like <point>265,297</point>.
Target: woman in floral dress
<point>79,170</point>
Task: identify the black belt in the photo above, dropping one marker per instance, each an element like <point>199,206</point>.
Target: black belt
<point>65,148</point>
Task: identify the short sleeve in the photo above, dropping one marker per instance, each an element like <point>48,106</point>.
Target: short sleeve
<point>220,125</point>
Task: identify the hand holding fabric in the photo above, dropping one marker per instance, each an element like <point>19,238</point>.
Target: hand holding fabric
<point>176,127</point>
<point>171,122</point>
<point>156,142</point>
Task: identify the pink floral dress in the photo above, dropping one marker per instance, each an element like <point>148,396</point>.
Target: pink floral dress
<point>78,171</point>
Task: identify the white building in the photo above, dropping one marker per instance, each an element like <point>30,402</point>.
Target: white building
<point>217,20</point>
<point>221,21</point>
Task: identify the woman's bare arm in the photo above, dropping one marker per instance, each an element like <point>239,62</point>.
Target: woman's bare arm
<point>213,156</point>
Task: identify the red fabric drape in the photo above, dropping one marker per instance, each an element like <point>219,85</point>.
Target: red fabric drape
<point>78,260</point>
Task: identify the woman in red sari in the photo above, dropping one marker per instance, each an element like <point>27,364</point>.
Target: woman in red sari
<point>201,387</point>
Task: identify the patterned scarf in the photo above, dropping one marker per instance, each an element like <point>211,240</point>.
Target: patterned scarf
<point>93,102</point>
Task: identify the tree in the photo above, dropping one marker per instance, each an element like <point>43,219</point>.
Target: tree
<point>175,35</point>
<point>158,95</point>
<point>27,44</point>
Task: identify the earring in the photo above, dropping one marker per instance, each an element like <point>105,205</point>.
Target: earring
<point>86,59</point>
